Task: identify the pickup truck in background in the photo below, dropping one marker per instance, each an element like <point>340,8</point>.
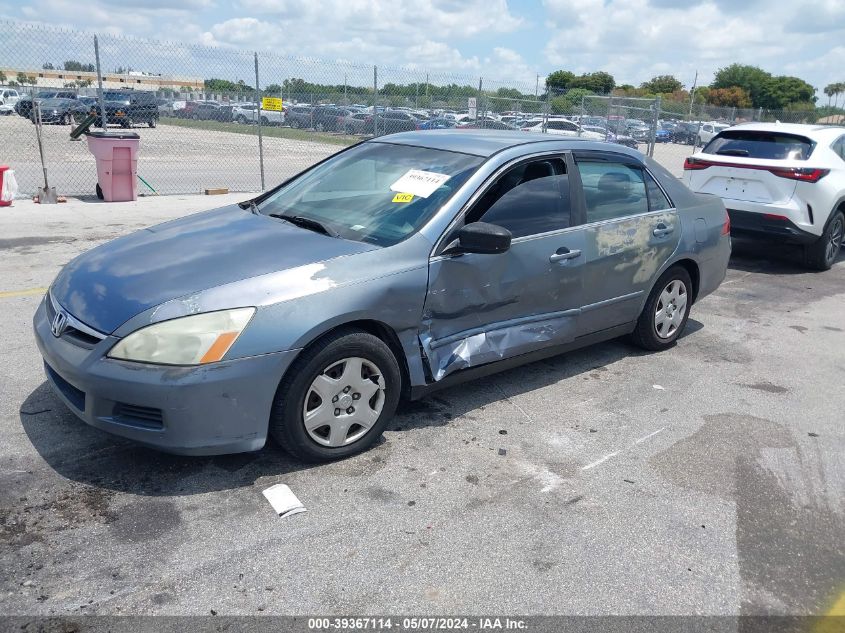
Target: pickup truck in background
<point>247,113</point>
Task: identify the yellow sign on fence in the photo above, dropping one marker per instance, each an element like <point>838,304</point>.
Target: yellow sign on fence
<point>271,103</point>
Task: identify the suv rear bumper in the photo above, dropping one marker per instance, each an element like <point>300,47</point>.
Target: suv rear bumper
<point>768,227</point>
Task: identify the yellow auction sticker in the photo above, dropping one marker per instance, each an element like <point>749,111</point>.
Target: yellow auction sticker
<point>403,197</point>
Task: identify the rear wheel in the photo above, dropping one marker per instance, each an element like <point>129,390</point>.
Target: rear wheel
<point>822,254</point>
<point>152,122</point>
<point>337,398</point>
<point>666,311</point>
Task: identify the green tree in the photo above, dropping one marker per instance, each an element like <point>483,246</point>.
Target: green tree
<point>24,79</point>
<point>662,84</point>
<point>559,80</point>
<point>750,78</point>
<point>274,88</point>
<point>570,102</point>
<point>599,82</point>
<point>2,77</point>
<point>224,85</point>
<point>780,92</point>
<point>48,66</point>
<point>74,65</point>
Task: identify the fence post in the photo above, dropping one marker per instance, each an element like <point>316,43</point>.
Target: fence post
<point>479,108</point>
<point>375,100</point>
<point>104,122</point>
<point>260,137</point>
<point>656,105</point>
<point>580,121</point>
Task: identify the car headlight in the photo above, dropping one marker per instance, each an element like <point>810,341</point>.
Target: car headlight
<point>192,340</point>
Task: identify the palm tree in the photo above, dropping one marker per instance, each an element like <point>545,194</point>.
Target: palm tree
<point>828,90</point>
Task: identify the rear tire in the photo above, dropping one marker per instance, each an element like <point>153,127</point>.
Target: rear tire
<point>99,191</point>
<point>822,254</point>
<point>152,122</point>
<point>666,311</point>
<point>287,417</point>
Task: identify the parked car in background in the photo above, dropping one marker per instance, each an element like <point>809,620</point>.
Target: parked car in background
<point>560,126</point>
<point>708,130</point>
<point>247,113</point>
<point>356,122</point>
<point>780,182</point>
<point>88,102</point>
<point>128,107</point>
<point>438,123</point>
<point>306,313</point>
<point>686,132</point>
<point>662,135</point>
<point>329,118</point>
<point>8,96</point>
<point>300,116</point>
<point>61,111</point>
<point>610,137</point>
<point>490,125</point>
<point>24,104</point>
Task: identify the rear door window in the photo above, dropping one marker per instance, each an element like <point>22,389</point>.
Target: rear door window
<point>761,144</point>
<point>612,189</point>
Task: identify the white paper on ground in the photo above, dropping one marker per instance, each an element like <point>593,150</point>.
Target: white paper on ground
<point>284,502</point>
<point>418,182</point>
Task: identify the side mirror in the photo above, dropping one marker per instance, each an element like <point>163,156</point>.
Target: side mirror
<point>481,237</point>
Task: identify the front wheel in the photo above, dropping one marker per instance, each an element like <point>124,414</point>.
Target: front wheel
<point>822,254</point>
<point>666,311</point>
<point>337,398</point>
<point>152,122</point>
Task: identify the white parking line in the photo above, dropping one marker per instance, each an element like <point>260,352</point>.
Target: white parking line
<point>601,460</point>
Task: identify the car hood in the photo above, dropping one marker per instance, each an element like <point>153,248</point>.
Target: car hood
<point>110,284</point>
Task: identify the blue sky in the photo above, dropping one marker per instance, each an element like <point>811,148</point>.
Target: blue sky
<point>497,39</point>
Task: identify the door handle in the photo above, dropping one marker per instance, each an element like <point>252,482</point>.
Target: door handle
<point>564,254</point>
<point>662,230</point>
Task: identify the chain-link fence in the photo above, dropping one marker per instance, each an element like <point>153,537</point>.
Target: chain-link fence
<point>217,117</point>
<point>224,118</point>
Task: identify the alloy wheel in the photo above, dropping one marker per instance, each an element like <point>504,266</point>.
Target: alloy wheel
<point>835,241</point>
<point>344,402</point>
<point>671,309</point>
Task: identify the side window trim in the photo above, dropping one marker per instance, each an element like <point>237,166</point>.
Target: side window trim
<point>458,220</point>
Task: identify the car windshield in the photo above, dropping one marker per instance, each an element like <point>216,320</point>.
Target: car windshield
<point>761,144</point>
<point>115,96</point>
<point>376,192</point>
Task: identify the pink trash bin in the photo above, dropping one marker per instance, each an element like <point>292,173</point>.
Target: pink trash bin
<point>117,164</point>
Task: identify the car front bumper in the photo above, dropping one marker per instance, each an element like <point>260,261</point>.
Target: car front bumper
<point>205,410</point>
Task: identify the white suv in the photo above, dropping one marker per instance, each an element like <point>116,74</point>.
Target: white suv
<point>778,181</point>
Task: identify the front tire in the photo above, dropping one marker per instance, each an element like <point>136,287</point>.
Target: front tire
<point>822,254</point>
<point>666,311</point>
<point>337,397</point>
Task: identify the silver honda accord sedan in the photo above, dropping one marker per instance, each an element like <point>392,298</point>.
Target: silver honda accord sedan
<point>395,267</point>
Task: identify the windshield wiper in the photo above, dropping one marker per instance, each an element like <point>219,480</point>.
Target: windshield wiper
<point>733,152</point>
<point>306,223</point>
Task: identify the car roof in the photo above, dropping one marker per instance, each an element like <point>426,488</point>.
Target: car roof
<point>817,131</point>
<point>485,143</point>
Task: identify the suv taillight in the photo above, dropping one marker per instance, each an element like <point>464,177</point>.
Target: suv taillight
<point>804,174</point>
<point>692,164</point>
<point>726,227</point>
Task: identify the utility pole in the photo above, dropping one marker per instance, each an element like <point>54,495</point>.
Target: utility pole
<point>692,93</point>
<point>344,89</point>
<point>537,87</point>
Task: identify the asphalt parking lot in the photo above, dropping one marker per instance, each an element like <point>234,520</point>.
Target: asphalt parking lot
<point>706,479</point>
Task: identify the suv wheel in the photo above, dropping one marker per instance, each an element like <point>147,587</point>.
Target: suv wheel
<point>822,254</point>
<point>337,398</point>
<point>152,122</point>
<point>666,311</point>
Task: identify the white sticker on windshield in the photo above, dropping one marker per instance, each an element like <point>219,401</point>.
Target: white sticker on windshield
<point>419,183</point>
